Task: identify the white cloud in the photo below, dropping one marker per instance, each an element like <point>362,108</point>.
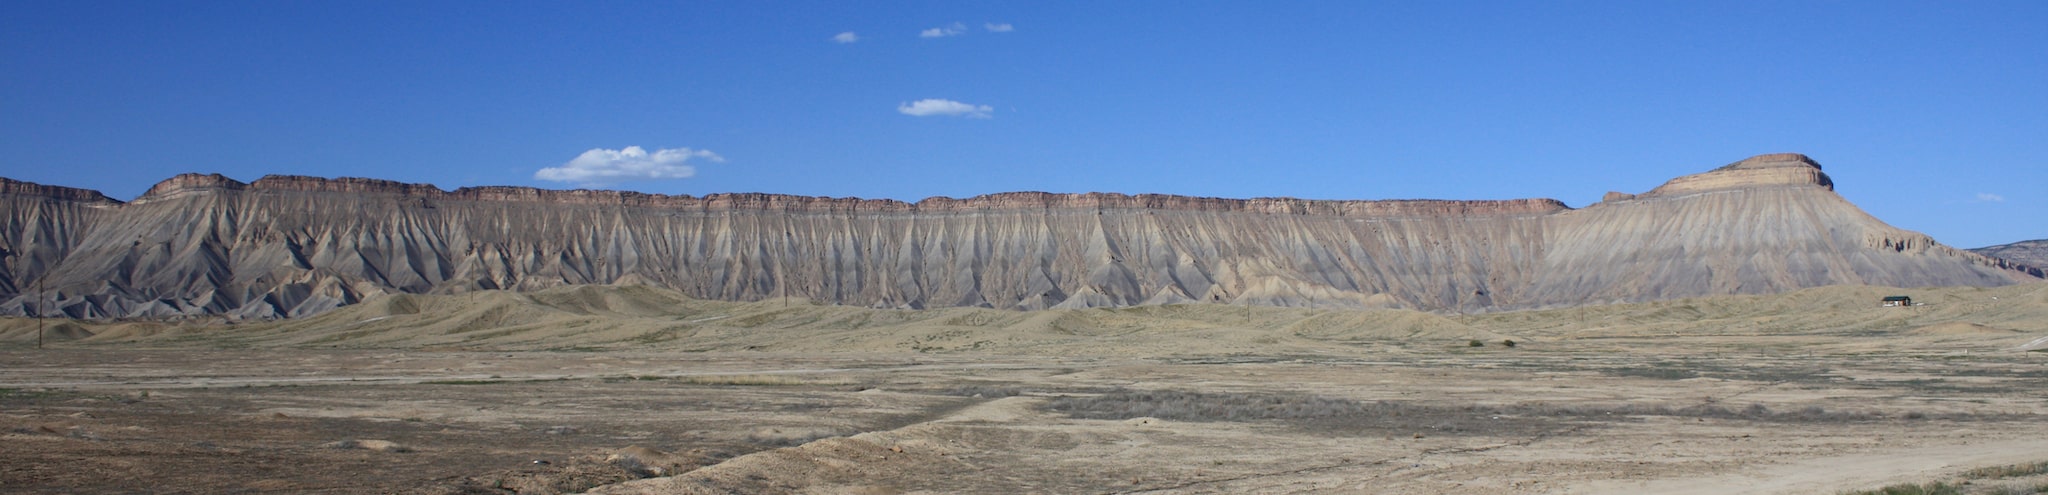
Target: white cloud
<point>943,31</point>
<point>949,108</point>
<point>999,28</point>
<point>846,37</point>
<point>602,166</point>
<point>1990,198</point>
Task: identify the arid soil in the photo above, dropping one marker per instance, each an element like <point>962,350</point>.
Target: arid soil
<point>1621,399</point>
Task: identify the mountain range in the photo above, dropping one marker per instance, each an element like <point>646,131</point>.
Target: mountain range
<point>288,246</point>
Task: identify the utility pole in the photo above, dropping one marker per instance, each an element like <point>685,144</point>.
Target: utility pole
<point>781,284</point>
<point>39,312</point>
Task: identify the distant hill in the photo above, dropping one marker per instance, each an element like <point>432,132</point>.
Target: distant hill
<point>287,246</point>
<point>2032,253</point>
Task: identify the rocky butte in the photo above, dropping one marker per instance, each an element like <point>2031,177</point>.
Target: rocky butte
<point>286,246</point>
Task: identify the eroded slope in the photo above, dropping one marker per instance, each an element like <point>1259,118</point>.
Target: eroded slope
<point>297,246</point>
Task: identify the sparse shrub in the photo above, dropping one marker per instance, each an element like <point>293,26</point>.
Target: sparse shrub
<point>776,438</point>
<point>1475,343</point>
<point>1754,412</point>
<point>1508,343</point>
<point>1957,487</point>
<point>461,382</point>
<point>984,391</point>
<point>2013,471</point>
<point>377,445</point>
<point>634,466</point>
<point>1299,410</point>
<point>743,380</point>
<point>1200,406</point>
<point>1658,372</point>
<point>1935,488</point>
<point>81,433</point>
<point>2024,490</point>
<point>807,406</point>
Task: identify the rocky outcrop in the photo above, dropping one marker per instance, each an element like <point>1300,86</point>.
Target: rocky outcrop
<point>291,246</point>
<point>1781,169</point>
<point>2033,254</point>
<point>11,188</point>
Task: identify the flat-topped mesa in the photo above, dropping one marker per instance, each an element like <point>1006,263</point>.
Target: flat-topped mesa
<point>1289,206</point>
<point>1772,160</point>
<point>519,194</point>
<point>188,183</point>
<point>1778,169</point>
<point>817,204</point>
<point>1032,200</point>
<point>11,187</point>
<point>1029,200</point>
<point>354,185</point>
<point>285,246</point>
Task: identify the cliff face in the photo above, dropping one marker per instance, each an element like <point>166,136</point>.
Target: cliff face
<point>2032,253</point>
<point>292,246</point>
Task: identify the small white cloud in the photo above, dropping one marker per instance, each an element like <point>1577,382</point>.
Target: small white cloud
<point>846,37</point>
<point>999,28</point>
<point>943,31</point>
<point>948,108</point>
<point>1990,198</point>
<point>602,166</point>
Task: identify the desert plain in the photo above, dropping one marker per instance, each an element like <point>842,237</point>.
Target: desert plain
<point>625,389</point>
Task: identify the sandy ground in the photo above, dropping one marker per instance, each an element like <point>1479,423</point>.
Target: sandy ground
<point>1702,396</point>
<point>1489,420</point>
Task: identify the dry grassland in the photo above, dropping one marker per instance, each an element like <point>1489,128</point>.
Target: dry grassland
<point>633,390</point>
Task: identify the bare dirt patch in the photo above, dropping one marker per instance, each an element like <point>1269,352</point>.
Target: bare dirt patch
<point>1740,394</point>
<point>1562,419</point>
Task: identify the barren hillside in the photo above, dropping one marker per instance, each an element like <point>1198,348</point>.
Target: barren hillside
<point>297,246</point>
<point>2032,253</point>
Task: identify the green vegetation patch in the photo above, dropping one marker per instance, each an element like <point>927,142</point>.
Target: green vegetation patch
<point>15,393</point>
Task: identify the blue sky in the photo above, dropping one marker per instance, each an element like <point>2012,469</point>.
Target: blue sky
<point>1931,115</point>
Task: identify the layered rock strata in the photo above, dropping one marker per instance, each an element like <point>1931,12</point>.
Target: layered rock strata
<point>2032,253</point>
<point>292,246</point>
